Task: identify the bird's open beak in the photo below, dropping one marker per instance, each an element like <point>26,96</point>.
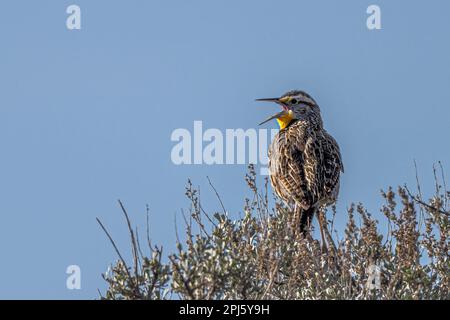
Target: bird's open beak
<point>280,101</point>
<point>276,116</point>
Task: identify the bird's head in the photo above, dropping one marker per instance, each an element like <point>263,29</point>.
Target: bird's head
<point>296,105</point>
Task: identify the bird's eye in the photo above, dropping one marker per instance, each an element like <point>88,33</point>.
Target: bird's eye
<point>294,101</point>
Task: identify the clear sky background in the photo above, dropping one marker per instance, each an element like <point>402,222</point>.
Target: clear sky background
<point>86,116</point>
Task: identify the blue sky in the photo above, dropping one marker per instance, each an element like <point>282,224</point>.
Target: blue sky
<point>86,115</point>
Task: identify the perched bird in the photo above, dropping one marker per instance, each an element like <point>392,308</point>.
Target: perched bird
<point>304,159</point>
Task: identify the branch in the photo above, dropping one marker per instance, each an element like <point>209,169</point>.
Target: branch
<point>114,245</point>
<point>425,204</point>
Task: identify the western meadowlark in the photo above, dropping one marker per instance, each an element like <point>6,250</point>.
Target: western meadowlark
<point>304,159</point>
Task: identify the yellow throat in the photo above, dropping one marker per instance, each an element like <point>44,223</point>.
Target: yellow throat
<point>284,120</point>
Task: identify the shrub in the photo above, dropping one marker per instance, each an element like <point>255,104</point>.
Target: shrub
<point>263,256</point>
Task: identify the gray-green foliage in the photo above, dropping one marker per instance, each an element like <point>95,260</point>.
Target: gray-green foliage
<point>262,256</point>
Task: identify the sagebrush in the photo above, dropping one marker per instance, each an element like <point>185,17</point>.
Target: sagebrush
<point>261,255</point>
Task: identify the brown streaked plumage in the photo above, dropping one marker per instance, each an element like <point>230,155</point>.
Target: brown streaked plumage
<point>304,159</point>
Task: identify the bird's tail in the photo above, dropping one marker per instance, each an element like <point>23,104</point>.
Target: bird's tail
<point>306,216</point>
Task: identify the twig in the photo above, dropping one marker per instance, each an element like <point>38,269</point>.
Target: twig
<point>445,184</point>
<point>115,247</point>
<point>139,247</point>
<point>425,204</point>
<point>217,195</point>
<point>148,227</point>
<point>422,215</point>
<point>133,239</point>
<point>271,281</point>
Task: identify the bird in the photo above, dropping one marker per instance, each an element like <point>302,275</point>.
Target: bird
<point>305,161</point>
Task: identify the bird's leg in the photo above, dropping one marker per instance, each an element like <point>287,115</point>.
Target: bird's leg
<point>319,218</point>
<point>296,220</point>
<point>326,233</point>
